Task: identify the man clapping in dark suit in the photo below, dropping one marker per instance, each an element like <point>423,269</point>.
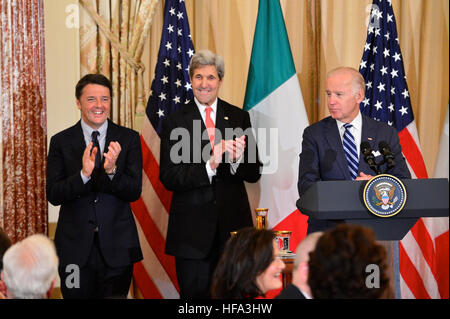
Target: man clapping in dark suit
<point>207,152</point>
<point>331,147</point>
<point>94,170</point>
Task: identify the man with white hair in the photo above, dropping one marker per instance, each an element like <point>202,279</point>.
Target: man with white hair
<point>299,288</point>
<point>209,196</point>
<point>30,268</point>
<point>335,148</point>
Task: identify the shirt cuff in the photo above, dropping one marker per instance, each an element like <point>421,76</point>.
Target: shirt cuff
<point>211,172</point>
<point>234,166</point>
<point>85,179</point>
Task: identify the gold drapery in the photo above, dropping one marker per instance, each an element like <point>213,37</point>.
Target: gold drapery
<point>325,34</point>
<point>23,145</point>
<point>112,37</point>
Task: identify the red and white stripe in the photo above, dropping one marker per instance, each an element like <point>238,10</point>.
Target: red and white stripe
<point>155,275</point>
<point>423,252</point>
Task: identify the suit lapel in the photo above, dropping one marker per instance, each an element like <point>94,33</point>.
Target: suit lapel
<point>78,141</point>
<point>191,114</point>
<point>75,146</point>
<point>195,126</point>
<point>221,124</point>
<point>334,139</point>
<point>368,134</point>
<point>111,135</point>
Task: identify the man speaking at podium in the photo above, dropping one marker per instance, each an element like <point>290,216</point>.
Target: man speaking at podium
<point>347,145</point>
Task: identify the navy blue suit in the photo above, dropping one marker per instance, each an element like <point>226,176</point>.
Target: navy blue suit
<point>291,292</point>
<point>323,158</point>
<point>105,204</point>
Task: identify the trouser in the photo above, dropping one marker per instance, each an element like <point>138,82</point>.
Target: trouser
<point>195,275</point>
<point>96,279</point>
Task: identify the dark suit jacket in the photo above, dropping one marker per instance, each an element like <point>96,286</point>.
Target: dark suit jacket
<point>199,209</point>
<point>107,204</point>
<point>291,292</point>
<point>323,157</point>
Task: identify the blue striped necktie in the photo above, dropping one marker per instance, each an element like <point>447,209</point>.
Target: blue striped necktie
<point>350,151</point>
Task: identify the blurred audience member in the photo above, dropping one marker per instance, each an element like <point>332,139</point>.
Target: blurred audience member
<point>30,268</point>
<point>343,262</point>
<point>299,288</point>
<point>5,243</point>
<point>249,266</point>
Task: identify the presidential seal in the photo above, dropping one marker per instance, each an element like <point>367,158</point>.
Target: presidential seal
<point>384,195</point>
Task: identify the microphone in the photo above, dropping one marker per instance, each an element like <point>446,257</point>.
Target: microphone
<point>387,154</point>
<point>366,150</point>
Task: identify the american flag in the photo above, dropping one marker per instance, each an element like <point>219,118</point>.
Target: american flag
<point>387,99</point>
<point>155,276</point>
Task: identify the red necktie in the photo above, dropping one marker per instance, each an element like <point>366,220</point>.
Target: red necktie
<point>210,125</point>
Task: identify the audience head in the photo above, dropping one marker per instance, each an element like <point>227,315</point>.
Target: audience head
<point>5,243</point>
<point>249,266</point>
<point>338,265</point>
<point>30,268</point>
<point>301,269</point>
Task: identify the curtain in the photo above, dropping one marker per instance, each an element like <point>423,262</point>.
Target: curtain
<point>23,205</point>
<point>112,37</point>
<point>325,34</point>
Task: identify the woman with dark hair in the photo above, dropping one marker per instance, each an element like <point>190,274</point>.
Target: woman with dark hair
<point>249,266</point>
<point>338,265</point>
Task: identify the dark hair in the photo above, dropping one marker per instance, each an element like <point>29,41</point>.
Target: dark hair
<point>247,254</point>
<point>5,243</point>
<point>99,79</point>
<point>337,266</point>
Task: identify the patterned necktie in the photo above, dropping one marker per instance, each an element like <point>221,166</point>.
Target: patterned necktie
<point>98,157</point>
<point>350,151</point>
<point>96,172</point>
<point>210,125</point>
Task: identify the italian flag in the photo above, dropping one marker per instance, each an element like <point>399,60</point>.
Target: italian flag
<point>275,103</point>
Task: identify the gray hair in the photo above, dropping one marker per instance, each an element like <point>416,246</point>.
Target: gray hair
<point>29,267</point>
<point>206,57</point>
<point>358,82</point>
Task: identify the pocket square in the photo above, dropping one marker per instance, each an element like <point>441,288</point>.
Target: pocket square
<point>376,153</point>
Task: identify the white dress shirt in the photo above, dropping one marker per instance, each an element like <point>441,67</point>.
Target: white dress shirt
<point>202,110</point>
<point>87,133</point>
<point>356,130</point>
